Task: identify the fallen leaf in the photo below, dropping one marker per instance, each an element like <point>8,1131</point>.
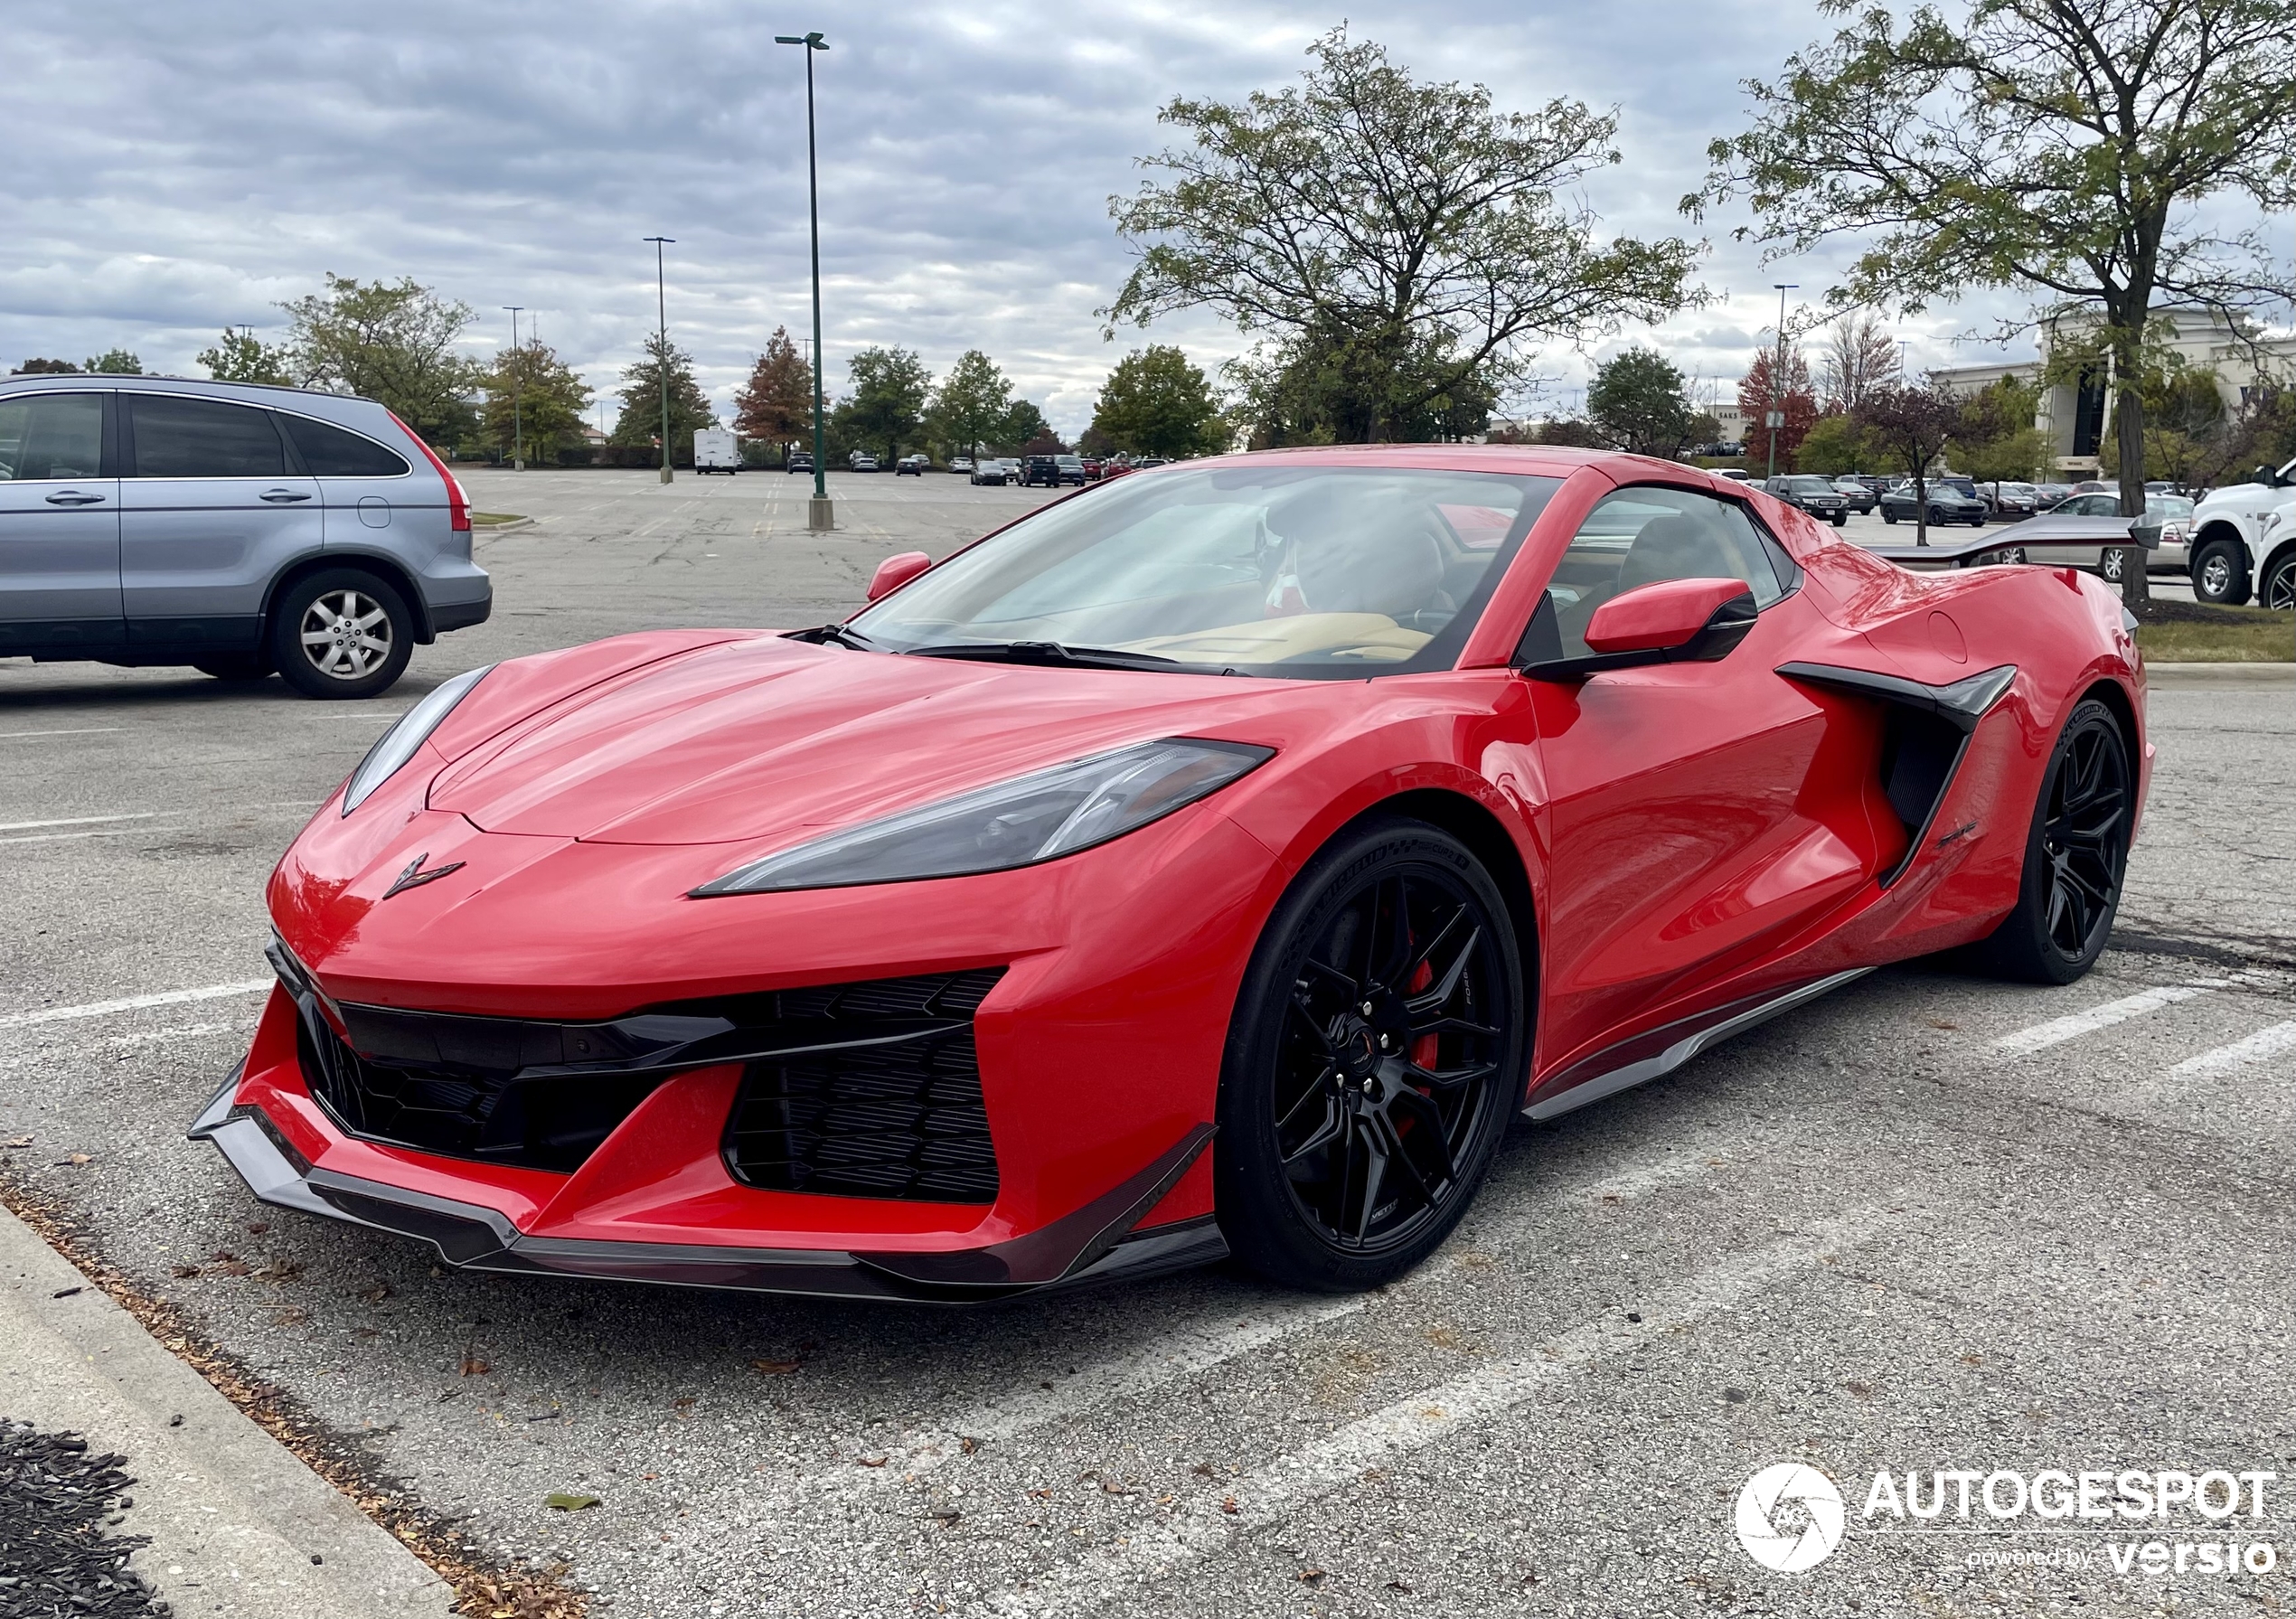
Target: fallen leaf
<point>1229,1505</point>
<point>1202,1470</point>
<point>1972,1360</point>
<point>473,1367</point>
<point>1311,1576</point>
<point>21,1141</point>
<point>1041,1495</point>
<point>181,1271</point>
<point>1397,1585</point>
<point>948,1516</point>
<point>570,1503</point>
<point>78,1159</point>
<point>684,1402</point>
<point>871,1461</point>
<point>776,1369</point>
<point>968,1445</point>
<point>1109,1487</point>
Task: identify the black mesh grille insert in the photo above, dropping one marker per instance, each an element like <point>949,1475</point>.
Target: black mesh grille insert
<point>552,1124</point>
<point>902,1119</point>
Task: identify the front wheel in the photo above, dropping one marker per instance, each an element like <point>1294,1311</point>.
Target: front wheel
<point>2280,586</point>
<point>2076,853</point>
<point>1887,515</point>
<point>1376,1054</point>
<point>2220,575</point>
<point>342,633</point>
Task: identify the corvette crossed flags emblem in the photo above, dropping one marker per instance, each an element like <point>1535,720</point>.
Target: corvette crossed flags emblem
<point>414,876</point>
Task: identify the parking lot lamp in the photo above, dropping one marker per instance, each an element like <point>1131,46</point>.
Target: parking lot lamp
<point>517,408</point>
<point>661,347</point>
<point>1776,416</point>
<point>820,516</point>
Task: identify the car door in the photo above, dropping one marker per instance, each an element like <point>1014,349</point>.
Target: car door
<point>2074,533</point>
<point>213,506</point>
<point>59,525</point>
<point>1695,812</point>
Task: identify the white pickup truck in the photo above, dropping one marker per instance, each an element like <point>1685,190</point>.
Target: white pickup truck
<point>2244,542</point>
<point>716,450</point>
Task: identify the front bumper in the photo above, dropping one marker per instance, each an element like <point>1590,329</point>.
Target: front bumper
<point>1098,1242</point>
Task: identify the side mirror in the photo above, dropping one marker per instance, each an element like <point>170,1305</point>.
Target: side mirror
<point>1673,621</point>
<point>894,572</point>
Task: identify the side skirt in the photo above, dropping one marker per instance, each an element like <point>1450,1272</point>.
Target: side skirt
<point>1619,1068</point>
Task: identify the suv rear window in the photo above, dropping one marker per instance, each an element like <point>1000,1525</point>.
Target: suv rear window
<point>333,451</point>
<point>180,437</point>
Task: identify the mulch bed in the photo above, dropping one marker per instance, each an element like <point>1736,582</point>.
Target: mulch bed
<point>56,1556</point>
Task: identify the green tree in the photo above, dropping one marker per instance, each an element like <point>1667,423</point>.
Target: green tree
<point>1157,402</point>
<point>32,368</point>
<point>1022,425</point>
<point>1640,401</point>
<point>534,397</point>
<point>116,363</point>
<point>1835,445</point>
<point>886,406</point>
<point>1402,239</point>
<point>240,356</point>
<point>1573,433</point>
<point>640,422</point>
<point>776,406</point>
<point>1996,441</point>
<point>971,404</point>
<point>391,341</point>
<point>1910,425</point>
<point>2066,148</point>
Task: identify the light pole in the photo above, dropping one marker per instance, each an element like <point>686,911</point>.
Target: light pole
<point>820,516</point>
<point>1775,418</point>
<point>662,349</point>
<point>517,404</point>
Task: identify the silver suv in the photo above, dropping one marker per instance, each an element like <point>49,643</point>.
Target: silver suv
<point>239,529</point>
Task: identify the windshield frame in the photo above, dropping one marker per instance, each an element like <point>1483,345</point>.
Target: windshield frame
<point>1536,488</point>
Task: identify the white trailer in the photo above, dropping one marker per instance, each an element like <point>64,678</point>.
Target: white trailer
<point>716,450</point>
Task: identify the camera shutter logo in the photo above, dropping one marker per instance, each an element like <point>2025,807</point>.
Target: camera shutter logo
<point>1790,1516</point>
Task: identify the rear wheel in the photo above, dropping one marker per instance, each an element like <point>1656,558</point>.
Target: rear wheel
<point>342,632</point>
<point>2114,563</point>
<point>1373,1063</point>
<point>2076,856</point>
<point>2220,574</point>
<point>1888,514</point>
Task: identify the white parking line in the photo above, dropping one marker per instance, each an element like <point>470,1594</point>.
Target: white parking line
<point>80,821</point>
<point>2057,1031</point>
<point>85,730</point>
<point>2265,1043</point>
<point>66,837</point>
<point>104,1009</point>
<point>1213,1518</point>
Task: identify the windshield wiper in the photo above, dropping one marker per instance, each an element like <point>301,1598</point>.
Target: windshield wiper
<point>1050,652</point>
<point>838,635</point>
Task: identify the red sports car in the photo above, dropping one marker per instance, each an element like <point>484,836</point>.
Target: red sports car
<point>1208,862</point>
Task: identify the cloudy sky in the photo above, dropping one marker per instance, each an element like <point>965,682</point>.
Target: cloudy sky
<point>176,167</point>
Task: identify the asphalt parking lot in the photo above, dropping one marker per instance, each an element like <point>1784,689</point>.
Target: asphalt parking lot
<point>1930,1222</point>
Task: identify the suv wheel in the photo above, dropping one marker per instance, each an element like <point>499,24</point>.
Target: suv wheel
<point>342,633</point>
<point>2280,586</point>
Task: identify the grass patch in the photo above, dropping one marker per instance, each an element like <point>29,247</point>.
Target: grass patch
<point>2180,631</point>
<point>494,520</point>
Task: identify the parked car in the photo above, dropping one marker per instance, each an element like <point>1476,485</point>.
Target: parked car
<point>2048,498</point>
<point>1145,462</point>
<point>989,470</point>
<point>241,529</point>
<point>2094,486</point>
<point>2011,502</point>
<point>1857,493</point>
<point>912,467</point>
<point>1071,468</point>
<point>961,464</point>
<point>1946,504</point>
<point>2245,542</point>
<point>2087,530</point>
<point>1092,466</point>
<point>1041,469</point>
<point>800,461</point>
<point>1809,493</point>
<point>862,461</point>
<point>1736,474</point>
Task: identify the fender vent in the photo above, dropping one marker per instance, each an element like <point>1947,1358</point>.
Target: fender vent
<point>862,1114</point>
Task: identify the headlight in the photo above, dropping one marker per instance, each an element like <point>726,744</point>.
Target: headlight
<point>396,746</point>
<point>1035,817</point>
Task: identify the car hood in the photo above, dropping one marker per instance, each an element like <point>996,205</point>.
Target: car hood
<point>758,738</point>
<point>2241,497</point>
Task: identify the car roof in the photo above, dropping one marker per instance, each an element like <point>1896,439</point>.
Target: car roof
<point>349,408</point>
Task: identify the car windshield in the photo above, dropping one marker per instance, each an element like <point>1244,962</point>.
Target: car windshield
<point>1298,571</point>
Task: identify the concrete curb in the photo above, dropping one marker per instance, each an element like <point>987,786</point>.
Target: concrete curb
<point>237,1525</point>
<point>2185,675</point>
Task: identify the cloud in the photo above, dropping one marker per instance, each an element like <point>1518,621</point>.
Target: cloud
<point>179,168</point>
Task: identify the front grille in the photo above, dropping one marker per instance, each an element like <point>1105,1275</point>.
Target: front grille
<point>493,1116</point>
<point>893,1118</point>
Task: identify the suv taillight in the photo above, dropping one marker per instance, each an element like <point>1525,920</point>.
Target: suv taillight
<point>457,502</point>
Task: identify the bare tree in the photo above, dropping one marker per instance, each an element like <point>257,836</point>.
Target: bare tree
<point>1859,357</point>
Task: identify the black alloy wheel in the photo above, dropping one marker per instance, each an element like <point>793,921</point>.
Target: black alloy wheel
<point>1375,1059</point>
<point>2076,855</point>
<point>2280,586</point>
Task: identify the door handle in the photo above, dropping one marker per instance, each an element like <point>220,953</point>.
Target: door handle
<point>73,497</point>
<point>281,497</point>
